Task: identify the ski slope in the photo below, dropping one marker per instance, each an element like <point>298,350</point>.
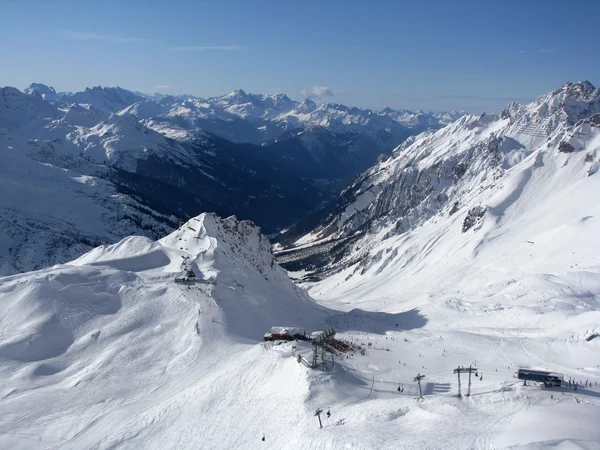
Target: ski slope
<point>519,288</point>
<point>108,352</point>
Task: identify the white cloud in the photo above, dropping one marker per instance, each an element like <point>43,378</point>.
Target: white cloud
<point>162,87</point>
<point>99,37</point>
<point>316,92</point>
<point>199,48</point>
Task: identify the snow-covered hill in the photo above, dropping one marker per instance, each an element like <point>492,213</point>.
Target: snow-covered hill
<point>46,92</point>
<point>108,351</point>
<point>170,165</point>
<point>103,99</point>
<point>308,137</point>
<point>333,135</point>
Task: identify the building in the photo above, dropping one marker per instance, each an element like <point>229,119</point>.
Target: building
<point>549,379</point>
<point>285,334</point>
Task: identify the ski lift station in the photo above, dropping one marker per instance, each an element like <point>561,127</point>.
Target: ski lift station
<point>286,334</point>
<point>549,379</point>
<point>187,272</point>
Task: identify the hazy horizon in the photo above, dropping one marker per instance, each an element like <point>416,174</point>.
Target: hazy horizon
<point>432,55</point>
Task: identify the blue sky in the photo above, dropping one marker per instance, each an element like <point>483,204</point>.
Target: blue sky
<point>476,55</point>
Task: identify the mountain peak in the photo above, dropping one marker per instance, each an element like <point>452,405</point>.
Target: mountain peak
<point>582,90</point>
<point>105,99</point>
<point>237,93</point>
<point>41,90</point>
<point>280,99</point>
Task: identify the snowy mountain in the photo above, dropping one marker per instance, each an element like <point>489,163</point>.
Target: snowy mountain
<point>46,92</point>
<point>132,164</point>
<point>50,214</point>
<point>254,118</point>
<point>108,351</point>
<point>306,137</point>
<point>456,173</point>
<point>333,136</point>
<point>166,152</point>
<point>119,344</point>
<point>489,229</point>
<point>471,247</point>
<point>314,149</point>
<point>104,99</point>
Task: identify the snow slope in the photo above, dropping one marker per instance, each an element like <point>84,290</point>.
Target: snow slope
<point>51,214</point>
<point>456,169</point>
<point>489,229</point>
<point>105,99</point>
<point>108,351</point>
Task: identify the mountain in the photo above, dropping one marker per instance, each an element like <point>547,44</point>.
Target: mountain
<point>471,248</point>
<point>129,164</point>
<point>457,175</point>
<point>163,154</point>
<point>105,99</point>
<point>111,327</point>
<point>333,136</point>
<point>254,118</point>
<point>489,228</point>
<point>49,214</point>
<point>112,352</point>
<point>328,143</point>
<point>24,114</point>
<point>41,90</point>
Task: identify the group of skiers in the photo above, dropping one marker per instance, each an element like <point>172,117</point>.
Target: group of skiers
<point>572,383</point>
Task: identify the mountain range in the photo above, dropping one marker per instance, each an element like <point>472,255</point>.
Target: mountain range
<point>463,177</point>
<point>170,157</point>
<point>472,248</point>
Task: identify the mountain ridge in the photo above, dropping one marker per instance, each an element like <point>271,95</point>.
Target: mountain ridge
<point>442,172</point>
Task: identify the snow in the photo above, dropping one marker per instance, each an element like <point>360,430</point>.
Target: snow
<point>121,356</point>
<point>49,213</point>
<point>108,352</point>
<point>520,289</point>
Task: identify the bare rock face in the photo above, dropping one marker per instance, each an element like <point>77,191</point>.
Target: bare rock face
<point>565,147</point>
<point>473,217</point>
<point>594,120</point>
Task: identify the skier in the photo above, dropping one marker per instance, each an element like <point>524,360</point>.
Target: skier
<point>263,438</point>
<point>328,414</point>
